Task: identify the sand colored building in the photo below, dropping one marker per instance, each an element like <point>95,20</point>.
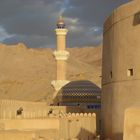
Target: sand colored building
<point>121,69</point>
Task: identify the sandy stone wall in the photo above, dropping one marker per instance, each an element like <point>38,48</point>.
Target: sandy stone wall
<point>8,109</point>
<point>16,135</point>
<point>32,110</point>
<point>132,124</point>
<point>80,126</point>
<point>46,122</point>
<point>121,69</point>
<point>30,124</point>
<point>66,126</point>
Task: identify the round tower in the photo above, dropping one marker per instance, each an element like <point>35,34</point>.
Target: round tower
<point>120,67</point>
<point>61,55</point>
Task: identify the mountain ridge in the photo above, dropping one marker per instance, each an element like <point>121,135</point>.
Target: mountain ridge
<point>26,73</point>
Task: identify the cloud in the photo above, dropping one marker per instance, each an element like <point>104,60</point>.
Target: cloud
<point>4,34</point>
<point>33,21</point>
<point>32,40</point>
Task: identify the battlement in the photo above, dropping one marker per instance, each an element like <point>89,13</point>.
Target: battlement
<point>75,115</point>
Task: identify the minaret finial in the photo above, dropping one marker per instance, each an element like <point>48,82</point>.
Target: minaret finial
<point>60,17</point>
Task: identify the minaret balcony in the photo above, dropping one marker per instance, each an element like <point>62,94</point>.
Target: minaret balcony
<point>61,31</point>
<point>61,55</point>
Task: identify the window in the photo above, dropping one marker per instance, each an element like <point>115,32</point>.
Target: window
<point>130,72</point>
<point>19,111</point>
<point>110,74</point>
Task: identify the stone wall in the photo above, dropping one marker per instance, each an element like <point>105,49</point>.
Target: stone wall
<point>8,109</point>
<point>44,122</point>
<point>132,124</point>
<point>32,110</point>
<point>120,67</point>
<point>66,126</point>
<point>78,125</point>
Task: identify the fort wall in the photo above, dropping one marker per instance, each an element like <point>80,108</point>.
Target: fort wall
<point>43,121</point>
<point>132,124</point>
<point>121,69</point>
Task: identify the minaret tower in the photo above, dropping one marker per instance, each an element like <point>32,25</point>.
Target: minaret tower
<point>61,55</point>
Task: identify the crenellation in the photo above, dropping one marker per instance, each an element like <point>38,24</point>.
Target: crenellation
<point>89,114</point>
<point>85,114</point>
<point>77,115</point>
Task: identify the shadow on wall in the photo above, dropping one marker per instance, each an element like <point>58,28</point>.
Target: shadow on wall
<point>136,20</point>
<point>86,135</point>
<point>118,136</point>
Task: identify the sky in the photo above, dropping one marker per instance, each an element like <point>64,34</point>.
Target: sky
<point>33,21</point>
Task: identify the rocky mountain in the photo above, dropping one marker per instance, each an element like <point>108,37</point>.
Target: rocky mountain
<point>26,73</point>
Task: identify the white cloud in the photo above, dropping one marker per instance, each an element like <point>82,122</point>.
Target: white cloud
<point>73,24</point>
<point>71,20</point>
<point>4,34</point>
<point>95,29</point>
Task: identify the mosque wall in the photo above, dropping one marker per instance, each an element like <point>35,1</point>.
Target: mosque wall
<point>50,122</point>
<point>32,110</point>
<point>8,109</point>
<point>16,135</point>
<point>66,126</point>
<point>121,69</point>
<point>29,124</point>
<point>78,125</point>
<point>29,135</point>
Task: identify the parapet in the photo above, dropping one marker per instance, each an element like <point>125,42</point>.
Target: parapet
<point>121,13</point>
<point>75,115</point>
<point>13,109</point>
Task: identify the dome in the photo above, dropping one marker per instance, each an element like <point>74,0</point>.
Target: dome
<point>60,23</point>
<point>80,92</point>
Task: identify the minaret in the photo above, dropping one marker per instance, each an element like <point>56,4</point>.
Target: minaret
<point>61,55</point>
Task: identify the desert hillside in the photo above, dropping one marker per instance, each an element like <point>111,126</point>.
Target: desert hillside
<point>26,73</point>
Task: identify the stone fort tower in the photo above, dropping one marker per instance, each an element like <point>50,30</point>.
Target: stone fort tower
<point>121,67</point>
<point>61,55</point>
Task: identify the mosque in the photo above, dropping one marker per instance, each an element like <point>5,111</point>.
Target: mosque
<point>73,114</point>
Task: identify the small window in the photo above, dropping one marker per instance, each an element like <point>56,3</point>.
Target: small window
<point>110,74</point>
<point>130,72</point>
<point>19,111</point>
